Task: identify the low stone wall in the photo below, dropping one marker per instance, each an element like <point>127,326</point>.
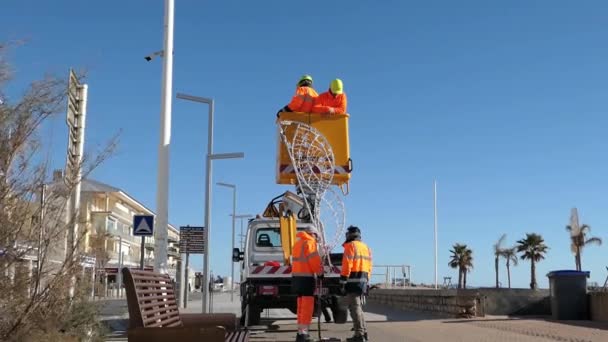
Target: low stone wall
<point>516,301</point>
<point>453,303</point>
<point>598,305</point>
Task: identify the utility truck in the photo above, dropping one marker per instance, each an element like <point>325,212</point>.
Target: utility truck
<point>265,260</point>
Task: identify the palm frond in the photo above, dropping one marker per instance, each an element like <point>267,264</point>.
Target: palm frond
<point>498,244</point>
<point>594,241</point>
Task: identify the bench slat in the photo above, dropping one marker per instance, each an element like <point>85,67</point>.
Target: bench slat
<point>152,278</point>
<point>151,298</point>
<point>145,306</point>
<point>162,317</point>
<point>167,291</point>
<point>153,285</point>
<point>158,310</point>
<point>171,322</point>
<point>151,311</point>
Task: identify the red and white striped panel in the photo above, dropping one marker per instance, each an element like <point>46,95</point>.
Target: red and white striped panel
<point>273,271</point>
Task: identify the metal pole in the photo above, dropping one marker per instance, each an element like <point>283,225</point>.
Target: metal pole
<point>40,237</point>
<point>142,252</point>
<point>182,272</point>
<point>186,282</point>
<point>208,208</point>
<point>162,191</point>
<point>232,246</point>
<point>435,235</point>
<point>119,275</point>
<point>242,240</point>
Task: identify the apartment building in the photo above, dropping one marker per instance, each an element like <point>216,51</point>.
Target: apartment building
<point>108,212</point>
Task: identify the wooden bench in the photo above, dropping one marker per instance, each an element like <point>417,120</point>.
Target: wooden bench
<point>154,315</point>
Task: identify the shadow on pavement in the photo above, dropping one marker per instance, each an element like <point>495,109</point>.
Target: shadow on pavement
<point>548,319</point>
<point>397,315</point>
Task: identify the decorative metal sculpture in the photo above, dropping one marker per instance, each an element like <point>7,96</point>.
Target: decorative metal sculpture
<point>313,162</point>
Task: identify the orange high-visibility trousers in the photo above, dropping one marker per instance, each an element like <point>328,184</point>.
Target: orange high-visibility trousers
<point>306,306</point>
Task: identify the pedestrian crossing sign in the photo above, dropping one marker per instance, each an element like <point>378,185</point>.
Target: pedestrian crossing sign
<point>143,225</point>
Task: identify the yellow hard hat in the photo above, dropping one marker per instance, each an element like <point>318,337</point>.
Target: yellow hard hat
<point>336,86</point>
<point>305,78</point>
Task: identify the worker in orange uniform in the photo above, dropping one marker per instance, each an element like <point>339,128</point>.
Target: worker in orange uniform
<point>303,100</point>
<point>356,271</point>
<point>306,264</point>
<point>332,101</point>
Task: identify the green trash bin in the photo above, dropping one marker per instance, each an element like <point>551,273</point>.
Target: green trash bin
<point>568,294</point>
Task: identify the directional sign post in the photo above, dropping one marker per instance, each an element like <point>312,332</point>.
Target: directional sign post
<point>143,225</point>
<point>191,240</point>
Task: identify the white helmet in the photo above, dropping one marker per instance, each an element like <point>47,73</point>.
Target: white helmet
<point>312,230</point>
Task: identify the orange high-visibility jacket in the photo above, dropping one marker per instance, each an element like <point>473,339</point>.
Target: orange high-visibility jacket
<point>303,100</point>
<point>356,266</point>
<point>327,100</point>
<point>306,262</point>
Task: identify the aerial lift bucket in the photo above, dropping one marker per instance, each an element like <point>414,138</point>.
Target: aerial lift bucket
<point>335,129</point>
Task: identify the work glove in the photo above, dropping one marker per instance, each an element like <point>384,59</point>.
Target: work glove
<point>332,110</point>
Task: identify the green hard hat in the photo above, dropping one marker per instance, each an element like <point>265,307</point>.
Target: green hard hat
<point>305,78</point>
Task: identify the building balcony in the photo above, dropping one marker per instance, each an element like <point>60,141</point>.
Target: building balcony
<point>173,251</point>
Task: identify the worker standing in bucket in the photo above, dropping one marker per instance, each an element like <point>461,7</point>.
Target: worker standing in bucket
<point>333,101</point>
<point>356,271</point>
<point>306,264</point>
<point>303,100</point>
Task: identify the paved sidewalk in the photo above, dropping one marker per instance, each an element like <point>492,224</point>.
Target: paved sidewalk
<point>389,324</point>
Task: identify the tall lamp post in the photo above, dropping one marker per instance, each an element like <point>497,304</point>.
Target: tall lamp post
<point>210,157</point>
<point>233,187</point>
<point>162,191</point>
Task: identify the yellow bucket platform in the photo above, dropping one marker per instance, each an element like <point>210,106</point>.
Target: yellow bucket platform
<point>335,129</point>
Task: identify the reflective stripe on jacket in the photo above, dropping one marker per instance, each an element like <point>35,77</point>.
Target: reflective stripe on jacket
<point>306,263</point>
<point>326,101</point>
<point>303,100</point>
<point>356,266</point>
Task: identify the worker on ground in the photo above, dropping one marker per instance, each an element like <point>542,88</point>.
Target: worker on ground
<point>356,271</point>
<point>306,264</point>
<point>303,100</point>
<point>332,101</point>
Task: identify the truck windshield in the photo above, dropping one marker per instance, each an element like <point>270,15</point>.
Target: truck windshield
<point>268,237</point>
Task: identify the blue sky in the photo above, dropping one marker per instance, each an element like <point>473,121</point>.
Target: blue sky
<point>503,103</point>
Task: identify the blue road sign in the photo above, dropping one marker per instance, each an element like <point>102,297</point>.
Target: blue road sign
<point>143,225</point>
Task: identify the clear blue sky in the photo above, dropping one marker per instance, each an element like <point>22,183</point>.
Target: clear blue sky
<point>504,103</point>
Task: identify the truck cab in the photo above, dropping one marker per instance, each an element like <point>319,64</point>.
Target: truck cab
<point>266,278</point>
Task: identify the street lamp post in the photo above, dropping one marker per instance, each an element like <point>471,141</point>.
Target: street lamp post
<point>233,187</point>
<point>162,191</point>
<point>210,157</point>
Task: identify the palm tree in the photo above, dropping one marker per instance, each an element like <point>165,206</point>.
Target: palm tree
<point>462,258</point>
<point>580,241</point>
<point>532,248</point>
<point>497,254</point>
<point>510,254</point>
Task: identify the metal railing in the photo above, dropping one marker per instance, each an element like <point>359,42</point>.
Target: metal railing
<point>392,276</point>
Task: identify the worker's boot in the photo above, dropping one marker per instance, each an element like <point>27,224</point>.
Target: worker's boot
<point>304,338</point>
<point>357,338</point>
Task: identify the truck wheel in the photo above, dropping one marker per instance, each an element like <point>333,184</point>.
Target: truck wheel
<point>339,310</point>
<point>252,315</point>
